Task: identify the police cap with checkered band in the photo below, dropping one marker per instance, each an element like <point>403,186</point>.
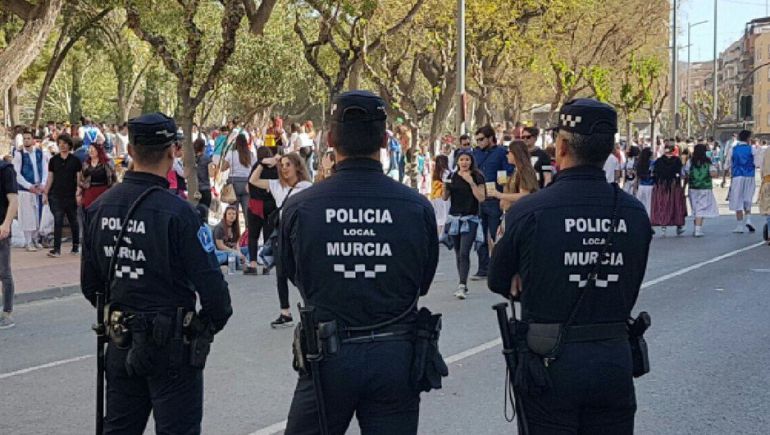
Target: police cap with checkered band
<point>586,116</point>
<point>152,130</point>
<point>357,107</point>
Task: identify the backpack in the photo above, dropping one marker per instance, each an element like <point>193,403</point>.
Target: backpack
<point>89,135</point>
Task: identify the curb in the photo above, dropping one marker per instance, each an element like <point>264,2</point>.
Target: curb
<point>49,293</point>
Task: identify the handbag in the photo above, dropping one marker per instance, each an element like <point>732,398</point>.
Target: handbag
<point>227,195</point>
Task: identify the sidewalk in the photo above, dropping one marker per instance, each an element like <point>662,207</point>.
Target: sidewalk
<point>36,276</point>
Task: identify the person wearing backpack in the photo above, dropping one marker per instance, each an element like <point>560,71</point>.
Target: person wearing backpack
<point>698,173</point>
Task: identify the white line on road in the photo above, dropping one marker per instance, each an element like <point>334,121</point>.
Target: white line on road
<point>450,360</point>
<point>699,265</point>
<point>44,366</point>
<point>270,430</point>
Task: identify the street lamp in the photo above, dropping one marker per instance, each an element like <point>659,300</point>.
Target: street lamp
<point>689,65</point>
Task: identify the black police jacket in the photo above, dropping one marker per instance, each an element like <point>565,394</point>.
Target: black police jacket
<point>552,239</point>
<point>359,246</point>
<point>167,256</point>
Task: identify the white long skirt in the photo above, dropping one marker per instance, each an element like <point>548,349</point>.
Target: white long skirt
<point>703,203</point>
<point>644,195</point>
<point>29,216</point>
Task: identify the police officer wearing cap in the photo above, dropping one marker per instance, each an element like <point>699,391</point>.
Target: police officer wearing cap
<point>163,263</point>
<point>374,250</point>
<point>576,375</point>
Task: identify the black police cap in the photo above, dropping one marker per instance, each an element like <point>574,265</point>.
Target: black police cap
<point>152,130</point>
<point>358,106</point>
<point>586,116</point>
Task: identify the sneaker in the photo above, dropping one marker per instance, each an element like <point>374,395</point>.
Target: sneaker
<point>250,270</point>
<point>38,245</point>
<point>75,250</point>
<point>462,291</point>
<point>6,321</point>
<point>698,232</point>
<point>31,248</point>
<point>479,277</point>
<point>679,231</point>
<point>265,271</point>
<point>740,229</point>
<point>54,253</point>
<point>750,227</point>
<point>282,322</point>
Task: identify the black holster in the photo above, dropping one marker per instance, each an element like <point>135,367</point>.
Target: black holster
<point>428,366</point>
<point>639,354</point>
<point>149,337</point>
<point>199,334</point>
<point>328,344</point>
<point>530,375</point>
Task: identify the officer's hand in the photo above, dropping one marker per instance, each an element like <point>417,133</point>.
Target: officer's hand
<point>516,285</point>
<point>5,231</point>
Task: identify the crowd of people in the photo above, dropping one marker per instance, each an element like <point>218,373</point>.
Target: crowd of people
<point>245,173</point>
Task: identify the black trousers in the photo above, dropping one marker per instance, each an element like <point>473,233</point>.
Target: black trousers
<point>370,380</point>
<point>206,202</point>
<point>61,208</point>
<point>259,225</point>
<point>176,400</point>
<point>592,392</point>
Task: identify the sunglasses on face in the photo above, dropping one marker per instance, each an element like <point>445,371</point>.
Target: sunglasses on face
<point>479,139</point>
<point>465,144</point>
<point>526,137</point>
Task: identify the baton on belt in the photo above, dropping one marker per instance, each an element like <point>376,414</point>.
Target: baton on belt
<point>509,352</point>
<point>314,357</point>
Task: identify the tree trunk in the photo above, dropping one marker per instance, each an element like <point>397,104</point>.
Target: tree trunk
<point>76,98</point>
<point>151,92</point>
<point>443,107</point>
<point>354,79</point>
<point>185,119</point>
<point>26,45</point>
<point>653,120</point>
<point>13,105</point>
<point>411,169</point>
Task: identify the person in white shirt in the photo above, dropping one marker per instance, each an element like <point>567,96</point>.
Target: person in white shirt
<point>293,177</point>
<point>612,168</point>
<point>31,165</point>
<point>238,160</point>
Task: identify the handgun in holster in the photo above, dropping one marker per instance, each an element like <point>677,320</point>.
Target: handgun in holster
<point>199,334</point>
<point>117,330</point>
<point>428,366</point>
<point>640,356</point>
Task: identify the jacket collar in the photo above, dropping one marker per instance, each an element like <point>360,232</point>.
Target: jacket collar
<point>145,178</point>
<point>358,164</point>
<point>584,172</point>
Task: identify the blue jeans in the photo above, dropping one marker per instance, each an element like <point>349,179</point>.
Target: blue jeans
<point>490,214</point>
<point>222,257</point>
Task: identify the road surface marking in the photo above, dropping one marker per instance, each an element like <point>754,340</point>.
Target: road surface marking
<point>44,366</point>
<point>270,430</point>
<point>699,265</point>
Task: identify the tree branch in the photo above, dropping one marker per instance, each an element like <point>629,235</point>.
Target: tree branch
<point>258,17</point>
<point>20,8</point>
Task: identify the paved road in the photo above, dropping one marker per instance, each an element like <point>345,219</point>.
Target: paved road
<point>710,359</point>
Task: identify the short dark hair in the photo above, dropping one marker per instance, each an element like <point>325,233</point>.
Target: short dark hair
<point>465,137</point>
<point>744,135</point>
<point>27,130</point>
<point>358,139</point>
<point>199,145</point>
<point>487,131</point>
<point>149,155</point>
<point>534,131</point>
<point>66,139</point>
<point>591,150</point>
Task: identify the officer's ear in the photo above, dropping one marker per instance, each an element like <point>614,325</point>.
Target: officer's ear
<point>384,144</point>
<point>329,141</point>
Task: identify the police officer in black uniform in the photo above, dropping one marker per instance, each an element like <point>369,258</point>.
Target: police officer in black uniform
<point>164,259</point>
<point>547,258</point>
<point>361,248</point>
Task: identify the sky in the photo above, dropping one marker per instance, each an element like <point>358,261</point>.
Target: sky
<point>732,19</point>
